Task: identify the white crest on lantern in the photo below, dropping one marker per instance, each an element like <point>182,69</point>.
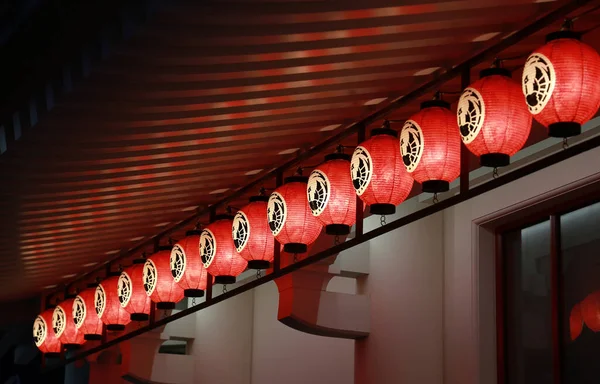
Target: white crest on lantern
<point>59,321</point>
<point>470,114</point>
<point>100,300</point>
<point>318,191</point>
<point>177,262</point>
<point>39,331</point>
<point>538,82</point>
<point>276,212</point>
<point>208,247</point>
<point>79,311</point>
<point>240,230</point>
<point>149,277</point>
<point>124,289</point>
<point>361,169</point>
<point>411,145</point>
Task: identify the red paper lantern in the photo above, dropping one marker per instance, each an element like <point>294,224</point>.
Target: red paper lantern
<point>85,316</point>
<point>64,326</point>
<point>158,281</point>
<point>590,311</point>
<point>186,267</point>
<point>331,196</point>
<point>575,321</point>
<point>132,296</point>
<point>251,234</point>
<point>218,253</point>
<point>494,122</point>
<point>378,175</point>
<point>430,146</point>
<point>108,307</point>
<point>290,219</point>
<point>560,83</point>
<point>44,337</point>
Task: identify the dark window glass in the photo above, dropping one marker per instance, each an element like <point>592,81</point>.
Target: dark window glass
<point>528,311</point>
<point>580,262</point>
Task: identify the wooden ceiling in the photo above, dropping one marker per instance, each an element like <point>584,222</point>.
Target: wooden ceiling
<point>207,96</point>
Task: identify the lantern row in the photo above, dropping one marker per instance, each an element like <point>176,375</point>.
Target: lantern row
<point>493,119</point>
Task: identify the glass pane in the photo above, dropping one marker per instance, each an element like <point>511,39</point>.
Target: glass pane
<point>580,243</point>
<point>528,305</point>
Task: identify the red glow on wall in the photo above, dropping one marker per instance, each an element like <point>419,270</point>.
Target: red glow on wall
<point>186,267</point>
<point>158,281</point>
<point>575,321</point>
<point>218,253</point>
<point>252,237</point>
<point>331,196</point>
<point>590,311</point>
<point>560,83</point>
<point>493,120</point>
<point>379,177</point>
<point>290,218</point>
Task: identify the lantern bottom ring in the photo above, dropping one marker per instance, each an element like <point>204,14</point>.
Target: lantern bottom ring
<point>115,327</point>
<point>92,337</point>
<point>139,317</point>
<point>564,129</point>
<point>494,160</point>
<point>165,305</point>
<point>259,264</point>
<point>435,186</point>
<point>193,293</point>
<point>337,229</point>
<point>224,279</point>
<point>382,209</point>
<point>295,248</point>
<point>52,355</point>
<point>71,347</point>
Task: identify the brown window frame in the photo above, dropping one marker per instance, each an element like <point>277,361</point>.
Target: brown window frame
<point>552,210</point>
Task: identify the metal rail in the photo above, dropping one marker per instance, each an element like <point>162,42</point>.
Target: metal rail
<point>430,210</point>
<point>433,85</point>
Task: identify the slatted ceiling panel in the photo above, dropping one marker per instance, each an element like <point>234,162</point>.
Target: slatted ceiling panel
<point>201,95</point>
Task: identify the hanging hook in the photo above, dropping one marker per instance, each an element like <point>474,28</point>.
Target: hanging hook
<point>193,301</point>
<point>382,220</point>
<point>224,288</point>
<point>295,257</point>
<point>495,173</point>
<point>299,171</point>
<point>565,143</point>
<point>336,240</point>
<point>567,24</point>
<point>262,191</point>
<point>339,148</point>
<point>435,198</point>
<point>258,274</point>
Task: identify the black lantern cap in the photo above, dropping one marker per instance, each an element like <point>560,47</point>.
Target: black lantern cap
<point>165,305</point>
<point>565,34</point>
<point>384,131</point>
<point>337,229</point>
<point>259,264</point>
<point>382,209</point>
<point>295,248</point>
<point>193,232</point>
<point>92,285</point>
<point>113,274</point>
<point>259,198</point>
<point>435,186</point>
<point>139,261</point>
<point>435,103</point>
<point>165,247</point>
<point>92,337</point>
<point>115,327</point>
<point>337,156</point>
<point>193,293</point>
<point>296,179</point>
<point>494,160</point>
<point>224,216</point>
<point>494,71</point>
<point>139,317</point>
<point>564,129</point>
<point>224,279</point>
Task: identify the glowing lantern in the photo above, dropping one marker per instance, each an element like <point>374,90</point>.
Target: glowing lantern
<point>575,321</point>
<point>218,253</point>
<point>251,234</point>
<point>560,83</point>
<point>64,326</point>
<point>85,316</point>
<point>158,281</point>
<point>108,306</point>
<point>44,337</point>
<point>290,218</point>
<point>590,311</point>
<point>186,267</point>
<point>331,196</point>
<point>494,122</point>
<point>132,296</point>
<point>430,146</point>
<point>378,175</point>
